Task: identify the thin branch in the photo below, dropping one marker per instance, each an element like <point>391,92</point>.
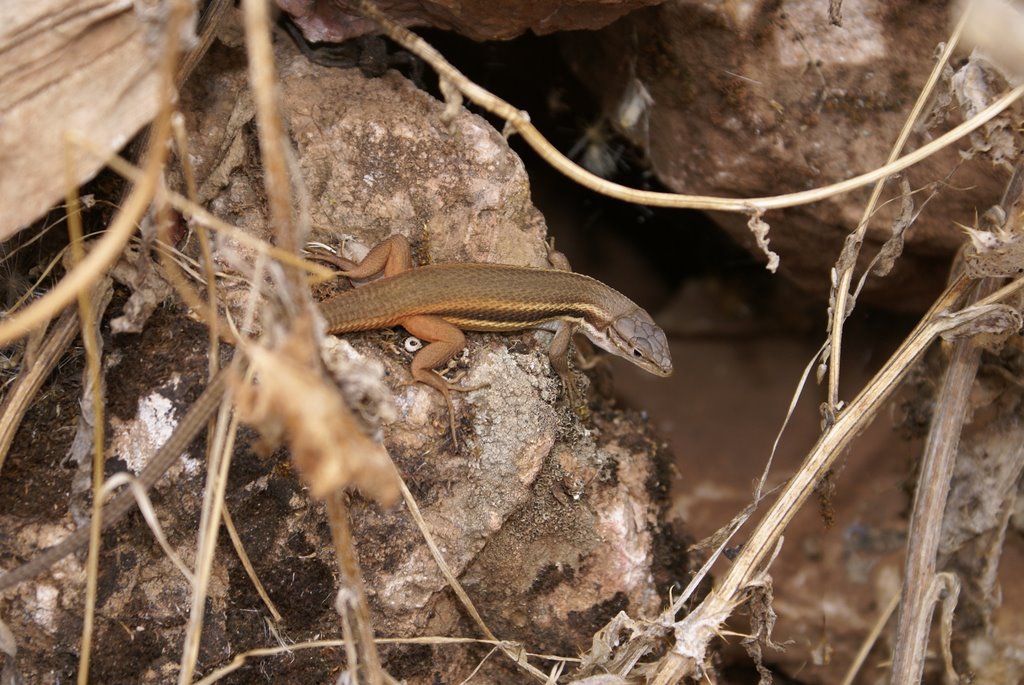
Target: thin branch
<point>352,585</point>
<point>218,464</point>
<point>31,377</point>
<point>930,504</point>
<point>848,260</point>
<point>516,654</point>
<point>520,121</point>
<point>694,632</point>
<point>89,319</point>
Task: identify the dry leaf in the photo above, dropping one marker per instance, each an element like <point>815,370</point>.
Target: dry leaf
<point>329,449</point>
<point>760,229</point>
<point>139,272</point>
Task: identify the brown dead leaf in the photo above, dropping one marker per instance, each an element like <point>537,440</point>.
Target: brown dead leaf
<point>976,86</point>
<point>137,270</point>
<point>989,324</point>
<point>893,247</point>
<point>329,449</point>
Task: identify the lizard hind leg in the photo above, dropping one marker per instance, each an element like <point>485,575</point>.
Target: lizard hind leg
<point>390,257</point>
<point>444,341</point>
<point>387,258</point>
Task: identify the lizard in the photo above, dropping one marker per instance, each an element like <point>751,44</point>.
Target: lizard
<point>435,303</point>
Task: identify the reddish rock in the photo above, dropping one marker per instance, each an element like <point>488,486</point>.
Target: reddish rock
<point>327,20</point>
<point>759,98</point>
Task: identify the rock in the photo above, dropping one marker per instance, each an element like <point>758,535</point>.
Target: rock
<point>551,520</point>
<point>327,21</point>
<point>754,99</point>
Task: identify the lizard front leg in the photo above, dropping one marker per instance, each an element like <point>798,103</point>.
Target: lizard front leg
<point>558,353</point>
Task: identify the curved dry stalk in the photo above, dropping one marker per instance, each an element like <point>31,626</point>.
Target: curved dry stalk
<point>181,142</point>
<point>514,652</point>
<point>145,505</point>
<point>871,639</point>
<point>694,632</point>
<point>250,570</point>
<point>929,506</point>
<point>43,275</point>
<point>453,82</point>
<point>32,374</point>
<point>352,589</point>
<point>848,260</point>
<point>270,129</point>
<point>218,463</point>
<point>87,315</point>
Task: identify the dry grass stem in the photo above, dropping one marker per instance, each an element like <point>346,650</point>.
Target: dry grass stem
<point>480,664</point>
<point>513,651</point>
<point>352,593</point>
<point>273,142</point>
<point>57,259</point>
<point>930,498</point>
<point>793,400</point>
<point>218,463</point>
<point>35,370</point>
<point>181,142</point>
<point>870,639</point>
<point>250,570</point>
<point>145,506</point>
<point>89,318</point>
<point>847,261</point>
<point>520,121</point>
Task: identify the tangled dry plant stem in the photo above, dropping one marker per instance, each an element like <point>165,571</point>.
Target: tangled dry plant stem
<point>79,281</point>
<point>848,261</point>
<point>695,631</point>
<point>290,236</point>
<point>933,485</point>
<point>871,638</point>
<point>19,398</point>
<point>513,652</point>
<point>352,587</point>
<point>218,464</point>
<point>520,122</point>
<point>929,506</point>
<point>89,319</point>
<point>243,557</point>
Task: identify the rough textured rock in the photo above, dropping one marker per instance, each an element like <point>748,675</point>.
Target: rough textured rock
<point>760,98</point>
<point>550,519</point>
<point>326,20</point>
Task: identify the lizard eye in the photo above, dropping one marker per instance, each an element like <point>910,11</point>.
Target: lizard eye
<point>640,349</point>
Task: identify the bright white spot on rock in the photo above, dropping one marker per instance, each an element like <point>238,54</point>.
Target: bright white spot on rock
<point>482,144</point>
<point>45,614</point>
<point>136,441</point>
<point>859,40</point>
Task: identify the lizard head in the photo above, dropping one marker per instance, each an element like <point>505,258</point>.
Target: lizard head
<point>636,337</point>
